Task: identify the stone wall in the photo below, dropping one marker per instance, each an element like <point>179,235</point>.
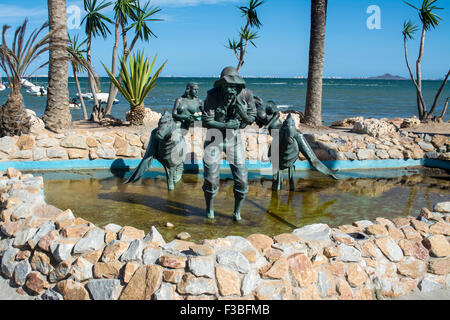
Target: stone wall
<point>131,143</point>
<point>49,253</point>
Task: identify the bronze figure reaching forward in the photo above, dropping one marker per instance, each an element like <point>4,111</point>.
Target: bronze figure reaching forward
<point>229,107</point>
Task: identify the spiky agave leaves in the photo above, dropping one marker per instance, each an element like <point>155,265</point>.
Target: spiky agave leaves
<point>137,81</point>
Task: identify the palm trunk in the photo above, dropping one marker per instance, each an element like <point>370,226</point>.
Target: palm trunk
<point>124,38</point>
<point>114,63</point>
<point>94,115</point>
<point>421,107</point>
<point>421,101</point>
<point>136,115</point>
<point>57,113</point>
<point>313,108</point>
<point>13,117</point>
<point>444,110</point>
<point>242,51</point>
<point>436,98</point>
<point>83,106</point>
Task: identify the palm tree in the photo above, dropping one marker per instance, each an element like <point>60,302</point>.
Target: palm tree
<point>15,61</point>
<point>77,67</point>
<point>122,10</point>
<point>137,82</point>
<point>95,26</point>
<point>429,20</point>
<point>246,35</point>
<point>313,107</point>
<point>141,16</point>
<point>57,113</point>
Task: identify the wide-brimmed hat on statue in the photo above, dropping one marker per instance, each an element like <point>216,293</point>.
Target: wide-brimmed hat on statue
<point>229,75</point>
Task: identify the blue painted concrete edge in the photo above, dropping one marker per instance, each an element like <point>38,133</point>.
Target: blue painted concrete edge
<point>339,165</point>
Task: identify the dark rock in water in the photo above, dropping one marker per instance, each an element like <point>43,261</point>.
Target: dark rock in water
<point>358,236</point>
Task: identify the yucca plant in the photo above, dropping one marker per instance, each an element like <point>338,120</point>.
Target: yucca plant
<point>96,23</point>
<point>430,20</point>
<point>137,82</point>
<point>15,61</point>
<point>122,11</point>
<point>141,16</point>
<point>246,35</point>
<point>79,64</point>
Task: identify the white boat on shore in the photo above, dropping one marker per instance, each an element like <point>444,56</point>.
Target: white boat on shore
<point>33,90</point>
<point>102,97</point>
<point>74,105</point>
<point>2,86</point>
<point>36,91</point>
<point>26,83</point>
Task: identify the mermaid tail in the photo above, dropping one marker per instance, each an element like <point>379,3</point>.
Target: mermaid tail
<point>146,161</point>
<point>309,154</point>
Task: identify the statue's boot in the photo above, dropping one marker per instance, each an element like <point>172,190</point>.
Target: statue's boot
<point>277,181</point>
<point>238,202</point>
<point>178,173</point>
<point>169,177</point>
<point>209,198</point>
<point>291,178</point>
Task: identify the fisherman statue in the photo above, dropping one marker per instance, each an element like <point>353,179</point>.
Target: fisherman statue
<point>228,107</point>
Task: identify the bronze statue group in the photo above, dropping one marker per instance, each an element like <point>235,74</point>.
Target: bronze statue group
<point>228,108</point>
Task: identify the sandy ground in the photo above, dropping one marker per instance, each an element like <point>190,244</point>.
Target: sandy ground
<point>9,293</point>
<point>434,128</point>
<point>433,295</point>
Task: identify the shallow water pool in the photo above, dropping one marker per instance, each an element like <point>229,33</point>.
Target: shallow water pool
<point>102,198</point>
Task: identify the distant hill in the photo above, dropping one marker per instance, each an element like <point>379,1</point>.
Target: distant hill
<point>387,76</point>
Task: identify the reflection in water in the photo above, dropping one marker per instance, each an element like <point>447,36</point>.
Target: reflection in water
<point>313,211</point>
<point>412,197</point>
<point>317,199</point>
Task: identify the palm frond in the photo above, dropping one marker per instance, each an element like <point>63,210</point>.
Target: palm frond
<point>95,21</point>
<point>429,18</point>
<point>251,14</point>
<point>123,9</point>
<point>409,29</point>
<point>141,16</point>
<point>16,60</point>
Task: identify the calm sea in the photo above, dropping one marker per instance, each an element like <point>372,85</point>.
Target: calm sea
<point>342,98</point>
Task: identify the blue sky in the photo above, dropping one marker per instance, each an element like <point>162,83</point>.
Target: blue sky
<point>194,32</point>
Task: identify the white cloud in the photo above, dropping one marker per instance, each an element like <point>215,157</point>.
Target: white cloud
<point>9,11</point>
<point>186,3</point>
